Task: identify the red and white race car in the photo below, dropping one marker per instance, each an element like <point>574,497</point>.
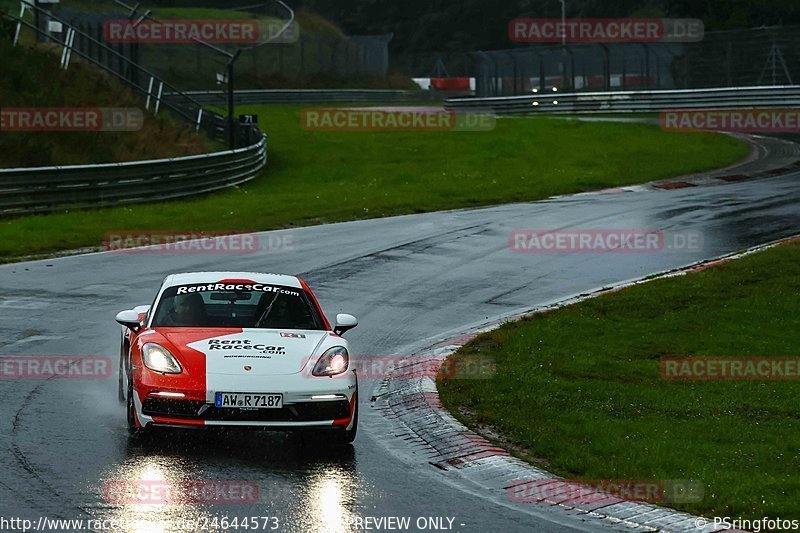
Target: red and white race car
<point>237,350</point>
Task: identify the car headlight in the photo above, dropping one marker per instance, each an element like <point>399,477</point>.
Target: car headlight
<point>158,358</point>
<point>333,362</point>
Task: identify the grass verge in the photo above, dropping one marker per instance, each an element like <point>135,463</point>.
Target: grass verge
<point>578,390</point>
<point>316,177</point>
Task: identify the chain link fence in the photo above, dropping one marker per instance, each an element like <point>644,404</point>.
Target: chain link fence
<point>305,57</point>
<point>761,56</point>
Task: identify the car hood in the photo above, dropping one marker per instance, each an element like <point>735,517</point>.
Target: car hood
<point>251,352</point>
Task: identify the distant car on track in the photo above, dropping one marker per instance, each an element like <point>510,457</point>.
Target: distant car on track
<point>236,349</point>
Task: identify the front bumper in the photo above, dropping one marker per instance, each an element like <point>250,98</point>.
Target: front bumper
<point>308,402</point>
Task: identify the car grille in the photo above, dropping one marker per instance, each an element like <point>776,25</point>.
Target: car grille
<point>197,410</point>
<point>166,407</point>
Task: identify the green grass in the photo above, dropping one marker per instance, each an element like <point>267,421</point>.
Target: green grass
<point>316,177</point>
<point>578,390</point>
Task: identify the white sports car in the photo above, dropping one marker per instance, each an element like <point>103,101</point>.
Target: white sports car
<point>237,350</point>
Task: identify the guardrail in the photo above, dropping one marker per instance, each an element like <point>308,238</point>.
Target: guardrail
<point>316,96</point>
<point>41,190</point>
<point>636,101</point>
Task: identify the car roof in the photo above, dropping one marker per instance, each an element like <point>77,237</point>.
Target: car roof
<point>190,278</point>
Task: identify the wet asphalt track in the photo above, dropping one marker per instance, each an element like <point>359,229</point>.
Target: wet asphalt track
<point>409,279</point>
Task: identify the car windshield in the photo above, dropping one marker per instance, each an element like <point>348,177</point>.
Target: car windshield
<point>237,306</point>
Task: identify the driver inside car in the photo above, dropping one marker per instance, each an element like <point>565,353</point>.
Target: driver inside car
<point>187,310</point>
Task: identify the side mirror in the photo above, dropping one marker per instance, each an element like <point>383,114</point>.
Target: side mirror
<point>344,323</point>
<point>129,319</point>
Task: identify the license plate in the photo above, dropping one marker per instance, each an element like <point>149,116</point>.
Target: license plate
<point>238,400</point>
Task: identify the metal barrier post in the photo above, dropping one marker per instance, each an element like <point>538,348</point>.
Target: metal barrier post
<point>606,67</point>
<point>67,52</point>
<point>64,51</point>
<point>542,80</point>
<point>231,103</point>
<point>149,93</point>
<point>158,98</point>
<point>22,9</point>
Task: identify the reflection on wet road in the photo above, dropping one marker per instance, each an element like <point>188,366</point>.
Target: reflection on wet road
<point>194,477</point>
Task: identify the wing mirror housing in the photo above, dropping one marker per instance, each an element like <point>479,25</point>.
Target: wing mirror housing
<point>344,323</point>
<point>129,319</point>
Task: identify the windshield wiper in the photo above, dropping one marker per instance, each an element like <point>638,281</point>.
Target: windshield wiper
<point>265,314</point>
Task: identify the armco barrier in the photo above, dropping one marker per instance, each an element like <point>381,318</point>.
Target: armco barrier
<point>636,101</point>
<point>41,190</point>
<point>316,96</point>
